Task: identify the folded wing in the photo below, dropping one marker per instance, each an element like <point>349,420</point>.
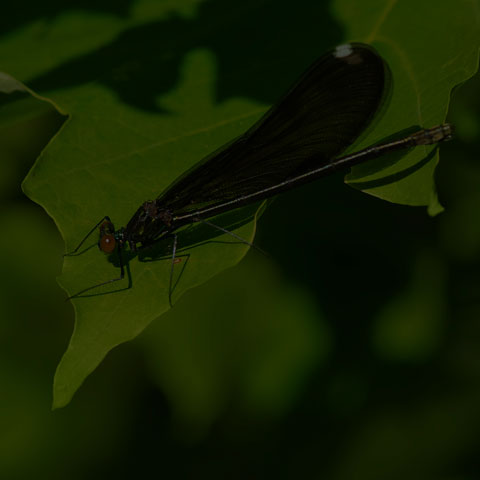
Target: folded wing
<point>321,115</point>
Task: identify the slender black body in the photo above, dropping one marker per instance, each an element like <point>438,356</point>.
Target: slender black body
<point>297,141</point>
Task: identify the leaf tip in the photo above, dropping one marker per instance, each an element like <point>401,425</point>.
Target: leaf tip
<point>435,207</point>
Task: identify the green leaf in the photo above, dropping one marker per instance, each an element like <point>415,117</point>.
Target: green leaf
<point>150,93</point>
<point>429,52</point>
<point>125,171</point>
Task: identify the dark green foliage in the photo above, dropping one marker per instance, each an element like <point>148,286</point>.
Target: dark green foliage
<point>149,94</point>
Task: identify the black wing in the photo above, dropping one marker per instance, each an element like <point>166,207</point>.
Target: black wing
<point>322,114</point>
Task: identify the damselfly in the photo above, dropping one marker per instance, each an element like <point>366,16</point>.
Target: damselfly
<point>298,140</point>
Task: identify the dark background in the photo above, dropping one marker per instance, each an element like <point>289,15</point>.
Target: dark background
<point>382,301</point>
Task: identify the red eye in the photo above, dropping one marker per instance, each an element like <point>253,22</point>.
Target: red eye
<point>107,243</point>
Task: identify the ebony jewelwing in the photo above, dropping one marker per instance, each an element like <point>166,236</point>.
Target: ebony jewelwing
<point>297,141</point>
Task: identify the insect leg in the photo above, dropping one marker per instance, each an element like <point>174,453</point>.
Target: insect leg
<point>170,285</point>
<point>234,235</point>
<point>121,277</point>
<point>73,252</point>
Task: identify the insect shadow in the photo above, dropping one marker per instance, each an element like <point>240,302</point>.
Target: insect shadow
<point>376,165</point>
